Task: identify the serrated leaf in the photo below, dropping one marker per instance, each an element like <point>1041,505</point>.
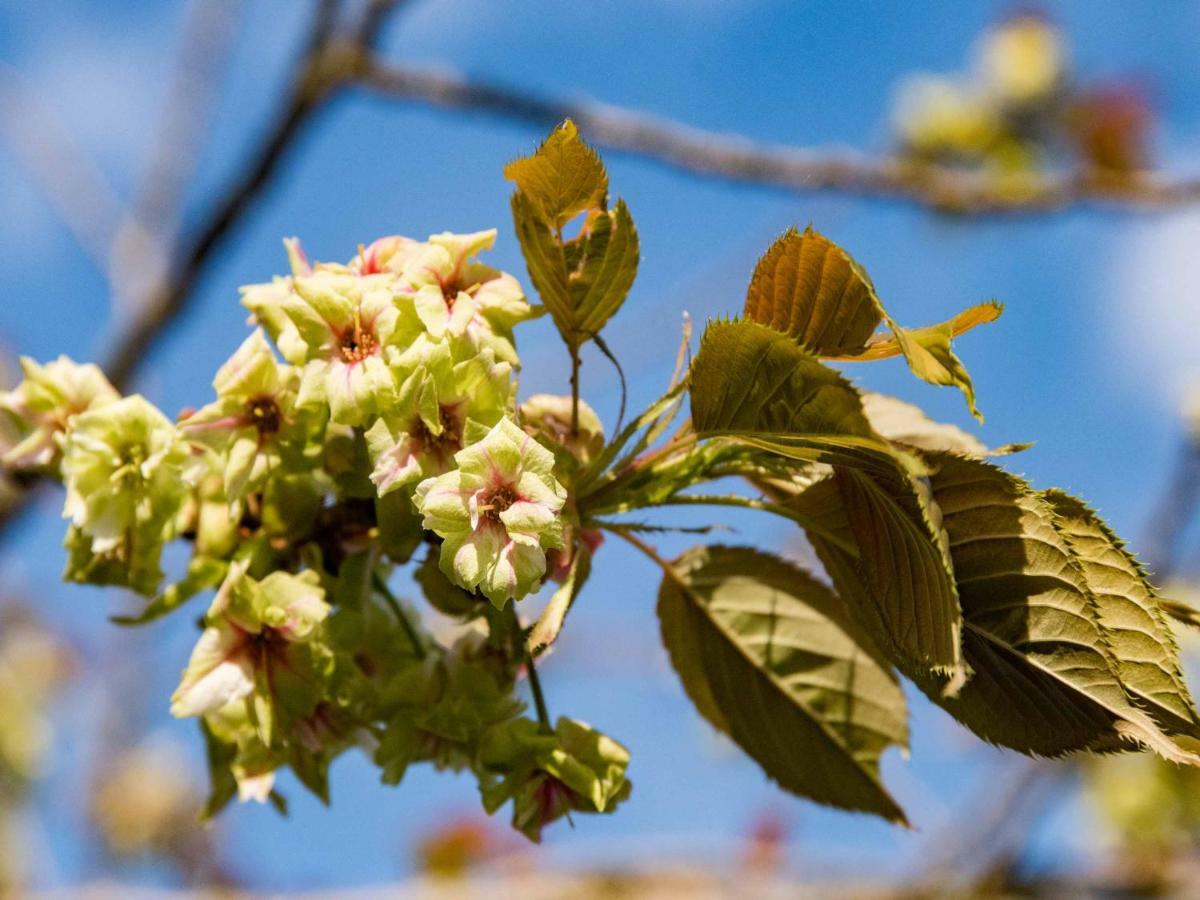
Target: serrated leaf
<point>582,280</point>
<point>563,178</point>
<point>1043,676</point>
<point>1046,677</point>
<point>903,561</point>
<point>754,384</point>
<point>1146,653</point>
<point>907,424</point>
<point>768,657</point>
<point>809,288</point>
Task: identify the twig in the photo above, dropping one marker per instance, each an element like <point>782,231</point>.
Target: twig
<point>790,168</point>
<point>138,258</point>
<point>382,589</point>
<point>80,194</point>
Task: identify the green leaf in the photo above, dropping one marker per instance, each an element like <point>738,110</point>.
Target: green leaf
<point>582,280</point>
<point>768,656</point>
<point>904,564</point>
<point>1047,677</point>
<point>754,384</point>
<point>810,289</point>
<point>562,179</point>
<point>222,783</point>
<point>203,573</point>
<point>1146,653</point>
<point>907,424</point>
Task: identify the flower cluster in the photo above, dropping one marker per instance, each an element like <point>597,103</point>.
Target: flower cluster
<point>371,410</point>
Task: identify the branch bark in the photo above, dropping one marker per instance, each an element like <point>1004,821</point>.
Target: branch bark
<point>793,169</point>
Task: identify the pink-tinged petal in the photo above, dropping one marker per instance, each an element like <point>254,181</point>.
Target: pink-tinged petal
<point>256,787</point>
<point>527,517</point>
<point>218,673</point>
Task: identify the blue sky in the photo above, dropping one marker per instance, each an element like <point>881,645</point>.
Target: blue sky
<point>1090,360</point>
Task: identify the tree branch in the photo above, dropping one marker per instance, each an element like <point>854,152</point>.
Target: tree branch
<point>795,169</point>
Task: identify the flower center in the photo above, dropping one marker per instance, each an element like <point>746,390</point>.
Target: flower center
<point>497,501</point>
<point>265,415</point>
<point>444,444</point>
<point>357,344</point>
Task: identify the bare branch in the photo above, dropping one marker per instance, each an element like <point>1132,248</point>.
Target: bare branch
<point>41,143</point>
<point>138,255</point>
<point>790,168</point>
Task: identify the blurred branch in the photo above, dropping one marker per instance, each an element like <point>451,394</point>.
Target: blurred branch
<point>1174,511</point>
<point>794,169</point>
<point>138,248</point>
<point>45,148</point>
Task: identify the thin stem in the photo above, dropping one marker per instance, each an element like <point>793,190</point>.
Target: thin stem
<point>778,509</point>
<point>539,699</point>
<point>575,392</point>
<point>535,681</point>
<point>385,592</point>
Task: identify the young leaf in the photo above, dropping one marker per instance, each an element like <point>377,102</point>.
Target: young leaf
<point>562,179</point>
<point>768,656</point>
<point>582,280</point>
<point>202,573</point>
<point>809,288</point>
<point>754,384</point>
<point>907,424</point>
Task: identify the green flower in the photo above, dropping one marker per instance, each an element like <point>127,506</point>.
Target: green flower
<point>262,642</point>
<point>448,703</point>
<point>123,466</point>
<point>549,416</point>
<point>346,321</point>
<point>387,254</point>
<point>45,404</point>
<point>497,513</point>
<point>437,400</point>
<point>457,296</point>
<point>254,425</point>
<point>250,762</point>
<point>547,776</point>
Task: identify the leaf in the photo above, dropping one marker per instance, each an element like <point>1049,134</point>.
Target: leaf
<point>582,280</point>
<point>550,622</point>
<point>203,573</point>
<point>768,657</point>
<point>904,564</point>
<point>1146,653</point>
<point>1046,673</point>
<point>754,384</point>
<point>907,424</point>
<point>809,288</point>
<point>884,346</point>
<point>931,359</point>
<point>812,290</point>
<point>562,179</point>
